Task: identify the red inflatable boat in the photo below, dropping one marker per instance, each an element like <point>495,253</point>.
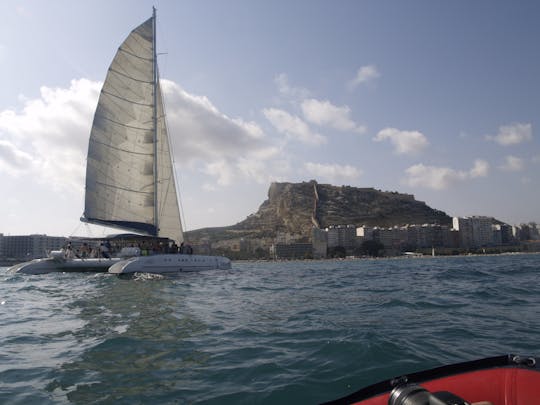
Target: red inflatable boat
<point>502,380</point>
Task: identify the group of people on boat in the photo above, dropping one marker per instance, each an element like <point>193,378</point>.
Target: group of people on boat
<point>106,250</point>
<point>185,249</point>
<point>85,251</point>
<point>160,248</point>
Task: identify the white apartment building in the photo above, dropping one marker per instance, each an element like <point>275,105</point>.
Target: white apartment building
<point>474,231</point>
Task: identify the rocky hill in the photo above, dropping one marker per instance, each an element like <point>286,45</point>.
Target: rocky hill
<point>295,208</point>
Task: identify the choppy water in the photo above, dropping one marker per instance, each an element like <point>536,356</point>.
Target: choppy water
<point>270,333</point>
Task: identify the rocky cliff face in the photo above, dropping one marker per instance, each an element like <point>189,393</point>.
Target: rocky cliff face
<point>296,208</point>
<point>367,206</point>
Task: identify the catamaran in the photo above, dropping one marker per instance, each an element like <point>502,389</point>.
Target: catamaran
<point>130,176</point>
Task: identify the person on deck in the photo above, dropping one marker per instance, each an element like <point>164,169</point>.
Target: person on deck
<point>104,250</point>
<point>68,251</point>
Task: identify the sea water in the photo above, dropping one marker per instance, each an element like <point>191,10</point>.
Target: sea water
<point>261,333</point>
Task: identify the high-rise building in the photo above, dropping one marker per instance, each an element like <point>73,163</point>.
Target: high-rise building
<point>341,235</point>
<point>320,243</point>
<point>476,231</point>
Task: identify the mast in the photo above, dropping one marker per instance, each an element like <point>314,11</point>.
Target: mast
<point>155,119</point>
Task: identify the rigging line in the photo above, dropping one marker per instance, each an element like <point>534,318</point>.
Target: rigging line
<point>125,99</point>
<point>120,149</point>
<point>75,230</point>
<point>129,77</point>
<point>88,229</point>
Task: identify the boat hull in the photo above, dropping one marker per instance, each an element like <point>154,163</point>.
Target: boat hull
<point>55,265</point>
<point>508,380</point>
<point>170,263</point>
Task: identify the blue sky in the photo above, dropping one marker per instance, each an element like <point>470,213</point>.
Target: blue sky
<point>437,99</point>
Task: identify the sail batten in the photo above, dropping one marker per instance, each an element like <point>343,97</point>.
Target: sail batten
<point>126,125</point>
<point>133,54</point>
<point>113,186</point>
<point>126,76</point>
<point>127,100</point>
<point>124,150</point>
<point>130,175</point>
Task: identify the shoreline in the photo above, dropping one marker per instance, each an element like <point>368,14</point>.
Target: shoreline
<point>400,257</point>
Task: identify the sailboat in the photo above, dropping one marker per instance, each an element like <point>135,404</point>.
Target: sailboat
<point>130,177</point>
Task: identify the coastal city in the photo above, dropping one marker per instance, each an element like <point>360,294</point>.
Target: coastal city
<point>466,235</point>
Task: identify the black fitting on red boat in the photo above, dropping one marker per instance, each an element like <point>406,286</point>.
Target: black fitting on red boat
<point>402,380</point>
<point>524,361</point>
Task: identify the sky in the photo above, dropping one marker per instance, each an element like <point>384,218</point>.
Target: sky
<point>431,98</point>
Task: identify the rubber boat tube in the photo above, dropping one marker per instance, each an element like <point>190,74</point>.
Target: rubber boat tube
<point>502,380</point>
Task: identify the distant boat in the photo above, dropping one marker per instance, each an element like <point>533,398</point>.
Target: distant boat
<point>130,177</point>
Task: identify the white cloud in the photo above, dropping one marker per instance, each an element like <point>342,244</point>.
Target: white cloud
<point>48,138</point>
<point>52,132</point>
<point>333,172</point>
<point>13,160</point>
<point>440,178</point>
<point>437,178</point>
<point>221,170</point>
<point>292,126</point>
<point>209,187</point>
<point>512,164</point>
<point>324,113</point>
<point>405,142</point>
<point>512,134</point>
<point>264,166</point>
<point>203,131</point>
<point>223,145</point>
<point>480,169</point>
<point>288,91</point>
<point>364,75</point>
<point>253,168</point>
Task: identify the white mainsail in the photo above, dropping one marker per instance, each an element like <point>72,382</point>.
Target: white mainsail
<point>130,176</point>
